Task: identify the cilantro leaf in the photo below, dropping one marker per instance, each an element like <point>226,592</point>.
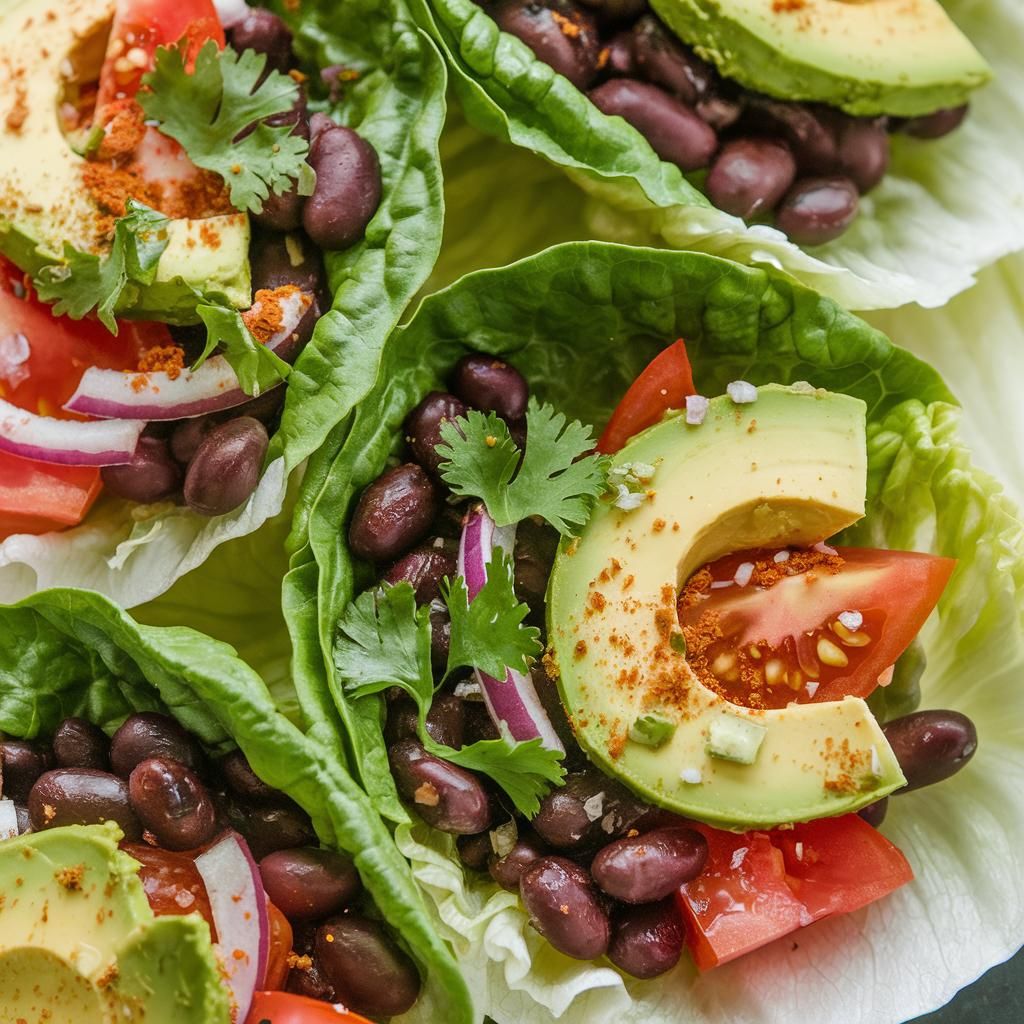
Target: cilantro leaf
<point>255,365</point>
<point>384,640</point>
<point>206,112</point>
<point>487,632</point>
<point>481,461</point>
<point>84,281</point>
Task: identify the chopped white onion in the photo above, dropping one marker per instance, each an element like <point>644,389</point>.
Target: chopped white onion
<point>626,499</point>
<point>781,556</point>
<point>14,354</point>
<point>696,409</point>
<point>692,776</point>
<point>744,573</point>
<point>741,392</point>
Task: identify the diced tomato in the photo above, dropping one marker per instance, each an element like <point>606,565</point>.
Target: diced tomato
<point>139,27</point>
<point>36,497</point>
<point>280,948</point>
<point>172,882</point>
<point>663,385</point>
<point>284,1008</point>
<point>778,638</point>
<point>759,886</point>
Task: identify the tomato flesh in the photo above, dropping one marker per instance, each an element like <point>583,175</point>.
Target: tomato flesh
<point>285,1008</point>
<point>778,638</point>
<point>663,385</point>
<point>758,886</point>
<point>281,938</point>
<point>172,882</point>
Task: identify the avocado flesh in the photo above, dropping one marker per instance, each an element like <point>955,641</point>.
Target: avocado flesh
<point>788,469</point>
<point>92,951</point>
<point>900,57</point>
<point>43,201</point>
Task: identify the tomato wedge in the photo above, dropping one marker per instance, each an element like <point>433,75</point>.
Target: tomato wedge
<point>281,938</point>
<point>759,886</point>
<point>284,1008</point>
<point>172,882</point>
<point>139,27</point>
<point>36,497</point>
<point>766,628</point>
<point>663,385</point>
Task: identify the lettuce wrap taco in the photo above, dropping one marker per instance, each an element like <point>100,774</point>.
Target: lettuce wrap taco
<point>201,205</point>
<point>172,848</point>
<point>638,706</point>
<point>821,138</point>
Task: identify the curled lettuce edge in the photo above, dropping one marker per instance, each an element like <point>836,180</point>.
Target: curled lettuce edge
<point>945,210</point>
<point>597,312</point>
<point>72,652</point>
<point>134,553</point>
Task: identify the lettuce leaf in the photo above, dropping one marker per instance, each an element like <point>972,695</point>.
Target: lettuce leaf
<point>595,313</point>
<point>397,102</point>
<point>68,652</point>
<point>945,210</point>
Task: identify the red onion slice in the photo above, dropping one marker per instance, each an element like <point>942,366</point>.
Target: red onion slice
<point>513,704</point>
<point>239,905</point>
<point>157,396</point>
<point>8,820</point>
<point>67,442</point>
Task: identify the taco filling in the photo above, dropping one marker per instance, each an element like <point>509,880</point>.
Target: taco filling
<point>635,677</point>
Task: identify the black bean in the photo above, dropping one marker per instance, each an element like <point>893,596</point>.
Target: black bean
<point>649,867</point>
<point>446,720</point>
<point>309,884</point>
<point>309,980</point>
<point>547,691</point>
<point>348,188</point>
<point>151,475</point>
<point>80,744</point>
<point>243,781</point>
<point>266,407</point>
<point>647,940</point>
<point>475,851</point>
<point>561,34</point>
<point>445,796</point>
<point>617,10</point>
<point>81,796</point>
<point>440,637</point>
<point>588,810</point>
<point>172,803</point>
<point>424,567</point>
<point>673,130</point>
<point>720,112</point>
<point>283,211</point>
<point>368,972</point>
<point>269,828</point>
<point>750,176</point>
<point>936,125</point>
<point>660,58</point>
<point>816,210</point>
<point>423,427</point>
<point>535,548</point>
<point>565,908</point>
<point>393,513</point>
<point>318,123</point>
<point>263,31</point>
<point>616,59</point>
<point>479,724</point>
<point>809,130</point>
<point>225,468</point>
<point>24,818</point>
<point>931,745</point>
<point>147,734</point>
<point>491,385</point>
<point>864,151</point>
<point>21,764</point>
<point>188,435</point>
<point>279,260</point>
<point>874,814</point>
<point>508,870</point>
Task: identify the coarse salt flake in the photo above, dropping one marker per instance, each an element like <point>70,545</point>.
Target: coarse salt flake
<point>626,499</point>
<point>738,857</point>
<point>692,776</point>
<point>744,574</point>
<point>696,409</point>
<point>469,691</point>
<point>593,808</point>
<point>812,688</point>
<point>741,392</point>
<point>781,556</point>
<point>798,849</point>
<point>851,620</point>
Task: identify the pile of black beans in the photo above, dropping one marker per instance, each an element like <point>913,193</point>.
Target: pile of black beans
<point>806,163</point>
<point>213,463</point>
<point>154,779</point>
<point>596,867</point>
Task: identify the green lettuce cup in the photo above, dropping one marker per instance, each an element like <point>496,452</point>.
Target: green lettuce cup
<point>71,653</point>
<point>391,91</point>
<point>580,321</point>
<point>944,210</point>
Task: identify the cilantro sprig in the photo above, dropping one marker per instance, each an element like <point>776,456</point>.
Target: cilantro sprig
<point>207,110</point>
<point>85,282</point>
<point>256,366</point>
<point>554,478</point>
<point>384,640</point>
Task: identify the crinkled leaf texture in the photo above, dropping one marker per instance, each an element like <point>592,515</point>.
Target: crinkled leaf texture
<point>595,313</point>
<point>398,105</point>
<point>945,210</point>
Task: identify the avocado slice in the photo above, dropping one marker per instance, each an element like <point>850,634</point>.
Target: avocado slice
<point>44,45</point>
<point>868,57</point>
<point>789,468</point>
<point>78,940</point>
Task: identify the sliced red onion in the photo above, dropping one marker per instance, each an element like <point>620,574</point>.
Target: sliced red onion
<point>67,442</point>
<point>240,915</point>
<point>8,820</point>
<point>230,12</point>
<point>157,396</point>
<point>513,704</point>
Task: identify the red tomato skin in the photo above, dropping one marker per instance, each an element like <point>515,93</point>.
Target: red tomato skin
<point>36,497</point>
<point>172,882</point>
<point>285,1008</point>
<point>663,385</point>
<point>744,901</point>
<point>281,939</point>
